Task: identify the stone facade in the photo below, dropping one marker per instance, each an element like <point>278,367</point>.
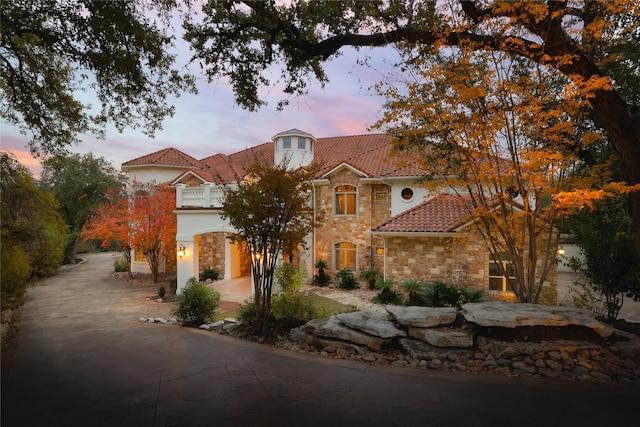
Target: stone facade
<point>211,247</point>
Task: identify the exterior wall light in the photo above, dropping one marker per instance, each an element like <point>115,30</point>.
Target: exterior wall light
<point>561,251</point>
<point>182,251</point>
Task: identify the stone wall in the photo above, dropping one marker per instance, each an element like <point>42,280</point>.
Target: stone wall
<point>211,251</point>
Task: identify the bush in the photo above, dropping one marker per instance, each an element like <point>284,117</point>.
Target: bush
<point>470,294</point>
<point>370,276</point>
<point>347,279</point>
<point>197,304</point>
<point>439,294</point>
<point>162,291</point>
<point>120,265</point>
<point>415,292</point>
<point>322,278</point>
<point>210,273</point>
<point>289,278</point>
<point>289,310</point>
<point>386,294</point>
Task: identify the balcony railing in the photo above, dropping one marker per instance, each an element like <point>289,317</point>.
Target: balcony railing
<point>204,196</point>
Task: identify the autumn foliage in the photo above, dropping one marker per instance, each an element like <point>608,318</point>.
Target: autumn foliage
<point>139,217</point>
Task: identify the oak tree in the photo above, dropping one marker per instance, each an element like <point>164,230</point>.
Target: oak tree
<point>51,51</point>
<point>593,44</point>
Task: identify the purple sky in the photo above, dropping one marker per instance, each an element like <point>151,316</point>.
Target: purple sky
<point>211,122</point>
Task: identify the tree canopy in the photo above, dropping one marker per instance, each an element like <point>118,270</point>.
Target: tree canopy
<point>31,229</point>
<point>78,183</point>
<point>51,51</point>
<point>596,45</point>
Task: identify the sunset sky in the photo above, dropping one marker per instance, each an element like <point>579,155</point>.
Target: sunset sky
<point>211,122</point>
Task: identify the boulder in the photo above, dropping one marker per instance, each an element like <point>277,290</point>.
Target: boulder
<point>371,322</point>
<point>331,327</point>
<point>422,351</point>
<point>422,317</point>
<point>507,315</point>
<point>504,349</point>
<point>443,337</point>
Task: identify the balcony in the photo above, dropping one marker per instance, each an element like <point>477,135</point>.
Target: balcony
<point>204,196</point>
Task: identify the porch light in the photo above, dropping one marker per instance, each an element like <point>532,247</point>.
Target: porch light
<point>182,251</point>
<point>561,251</point>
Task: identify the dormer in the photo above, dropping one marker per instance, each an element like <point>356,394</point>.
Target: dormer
<point>295,145</point>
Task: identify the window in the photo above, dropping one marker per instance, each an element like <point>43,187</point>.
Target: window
<point>497,280</point>
<point>379,251</point>
<point>302,143</point>
<point>345,200</point>
<point>286,143</point>
<point>345,255</point>
<point>381,195</point>
<point>406,194</point>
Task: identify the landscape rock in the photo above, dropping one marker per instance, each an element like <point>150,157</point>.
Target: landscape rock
<point>443,337</point>
<point>510,349</point>
<point>424,351</point>
<point>331,327</point>
<point>371,322</point>
<point>422,317</point>
<point>507,315</point>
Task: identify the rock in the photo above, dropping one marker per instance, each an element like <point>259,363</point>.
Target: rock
<point>399,363</point>
<point>630,364</point>
<point>160,320</point>
<point>217,324</point>
<point>228,327</point>
<point>507,315</point>
<point>423,351</point>
<point>172,321</point>
<point>443,337</point>
<point>371,322</point>
<point>230,320</point>
<point>205,327</point>
<point>554,365</point>
<point>510,349</point>
<point>422,317</point>
<point>142,319</point>
<point>331,327</point>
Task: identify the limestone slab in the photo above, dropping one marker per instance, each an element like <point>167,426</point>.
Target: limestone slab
<point>443,337</point>
<point>371,322</point>
<point>422,317</point>
<point>331,327</point>
<point>508,315</point>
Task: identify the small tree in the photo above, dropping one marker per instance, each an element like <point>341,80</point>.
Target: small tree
<point>270,211</point>
<point>139,217</point>
<point>611,262</point>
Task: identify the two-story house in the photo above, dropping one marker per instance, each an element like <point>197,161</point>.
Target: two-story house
<point>372,212</point>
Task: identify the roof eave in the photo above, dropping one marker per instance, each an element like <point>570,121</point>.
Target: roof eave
<point>414,233</point>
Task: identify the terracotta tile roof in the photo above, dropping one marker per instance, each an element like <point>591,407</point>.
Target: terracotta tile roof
<point>166,157</point>
<point>372,154</point>
<point>442,214</point>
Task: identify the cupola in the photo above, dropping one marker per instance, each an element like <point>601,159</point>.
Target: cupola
<point>295,145</point>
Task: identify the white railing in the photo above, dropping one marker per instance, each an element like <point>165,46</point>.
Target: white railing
<point>204,196</point>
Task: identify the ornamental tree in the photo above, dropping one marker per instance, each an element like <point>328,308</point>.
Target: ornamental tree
<point>498,131</point>
<point>270,210</point>
<point>140,218</point>
<point>593,44</point>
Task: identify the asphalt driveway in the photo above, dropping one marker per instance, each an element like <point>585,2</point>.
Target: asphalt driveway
<point>83,359</point>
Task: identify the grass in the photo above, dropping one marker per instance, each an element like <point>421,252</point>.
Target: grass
<point>326,307</point>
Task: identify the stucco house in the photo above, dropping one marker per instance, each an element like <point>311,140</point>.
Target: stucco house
<point>373,214</point>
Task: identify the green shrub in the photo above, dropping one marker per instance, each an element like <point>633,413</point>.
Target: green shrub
<point>162,291</point>
<point>370,276</point>
<point>470,294</point>
<point>415,290</point>
<point>439,294</point>
<point>322,278</point>
<point>289,278</point>
<point>210,273</point>
<point>248,312</point>
<point>289,310</point>
<point>347,279</point>
<point>120,264</point>
<point>197,303</point>
<point>386,294</point>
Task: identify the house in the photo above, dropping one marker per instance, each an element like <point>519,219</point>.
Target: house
<point>373,213</point>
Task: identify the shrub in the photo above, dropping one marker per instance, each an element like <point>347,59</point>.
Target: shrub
<point>370,276</point>
<point>415,290</point>
<point>120,265</point>
<point>386,294</point>
<point>440,294</point>
<point>289,277</point>
<point>162,291</point>
<point>289,310</point>
<point>248,312</point>
<point>197,304</point>
<point>322,278</point>
<point>470,294</point>
<point>172,281</point>
<point>210,273</point>
<point>347,279</point>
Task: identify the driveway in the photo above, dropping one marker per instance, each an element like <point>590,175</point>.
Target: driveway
<point>83,359</point>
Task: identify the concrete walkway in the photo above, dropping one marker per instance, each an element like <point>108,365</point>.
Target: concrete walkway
<point>83,359</point>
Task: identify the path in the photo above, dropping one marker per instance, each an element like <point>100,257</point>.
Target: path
<point>83,359</point>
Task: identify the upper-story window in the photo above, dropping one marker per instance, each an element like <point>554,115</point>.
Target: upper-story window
<point>286,143</point>
<point>302,143</point>
<point>345,201</point>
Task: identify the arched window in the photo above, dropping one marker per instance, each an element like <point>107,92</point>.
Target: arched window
<point>345,255</point>
<point>345,200</point>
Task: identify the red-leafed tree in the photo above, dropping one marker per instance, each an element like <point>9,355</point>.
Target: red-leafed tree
<point>110,224</point>
<point>141,218</point>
